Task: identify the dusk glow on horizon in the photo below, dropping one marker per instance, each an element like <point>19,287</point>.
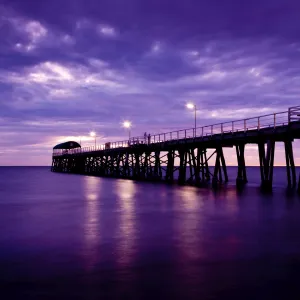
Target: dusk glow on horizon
<point>92,64</point>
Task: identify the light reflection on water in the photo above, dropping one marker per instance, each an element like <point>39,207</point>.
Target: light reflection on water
<point>91,225</point>
<point>126,235</point>
<point>188,223</point>
<point>232,202</point>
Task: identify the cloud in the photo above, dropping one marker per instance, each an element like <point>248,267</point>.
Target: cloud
<point>30,32</point>
<point>156,47</point>
<point>106,30</point>
<point>60,80</point>
<point>49,71</point>
<point>35,30</point>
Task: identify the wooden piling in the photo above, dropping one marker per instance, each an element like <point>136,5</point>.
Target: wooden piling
<point>242,174</point>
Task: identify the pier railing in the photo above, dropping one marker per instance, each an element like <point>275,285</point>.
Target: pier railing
<point>243,125</point>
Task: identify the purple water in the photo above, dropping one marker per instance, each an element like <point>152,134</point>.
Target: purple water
<point>66,236</point>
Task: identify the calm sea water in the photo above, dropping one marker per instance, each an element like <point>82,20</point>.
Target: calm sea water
<point>68,236</point>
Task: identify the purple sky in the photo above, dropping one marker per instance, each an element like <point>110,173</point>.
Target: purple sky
<point>69,67</point>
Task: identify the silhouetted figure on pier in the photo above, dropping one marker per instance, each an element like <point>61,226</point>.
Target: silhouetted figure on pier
<point>149,139</point>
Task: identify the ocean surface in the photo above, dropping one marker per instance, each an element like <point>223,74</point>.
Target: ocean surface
<point>66,236</point>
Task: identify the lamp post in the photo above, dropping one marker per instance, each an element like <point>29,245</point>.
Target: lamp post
<point>193,106</point>
<point>93,134</point>
<point>127,124</point>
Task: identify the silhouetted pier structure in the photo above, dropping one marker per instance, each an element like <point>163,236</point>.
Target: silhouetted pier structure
<point>153,158</point>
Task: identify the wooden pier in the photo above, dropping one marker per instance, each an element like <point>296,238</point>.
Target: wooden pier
<point>153,158</point>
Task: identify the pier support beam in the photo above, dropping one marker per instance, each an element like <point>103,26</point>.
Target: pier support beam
<point>182,167</point>
<point>196,166</point>
<point>79,165</point>
<point>290,165</point>
<point>266,162</point>
<point>220,166</point>
<point>137,165</point>
<point>170,166</point>
<point>126,166</point>
<point>144,163</point>
<point>157,166</point>
<point>205,165</point>
<point>202,165</point>
<point>241,175</point>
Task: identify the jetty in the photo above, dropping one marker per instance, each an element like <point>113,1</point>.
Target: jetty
<point>152,158</point>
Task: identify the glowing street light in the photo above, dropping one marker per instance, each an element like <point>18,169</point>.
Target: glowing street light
<point>193,106</point>
<point>93,134</point>
<point>190,105</point>
<point>127,124</point>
